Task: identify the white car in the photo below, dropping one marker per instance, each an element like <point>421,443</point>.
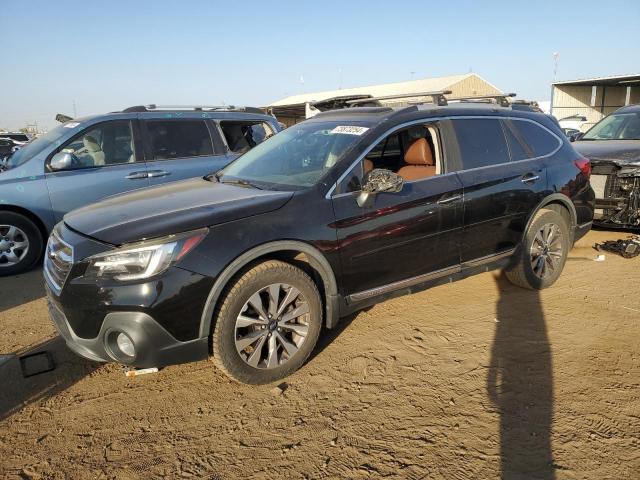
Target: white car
<point>574,122</point>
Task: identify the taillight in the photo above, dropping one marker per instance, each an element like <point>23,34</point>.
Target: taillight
<point>584,164</point>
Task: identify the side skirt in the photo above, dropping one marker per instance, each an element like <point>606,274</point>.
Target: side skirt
<point>359,300</point>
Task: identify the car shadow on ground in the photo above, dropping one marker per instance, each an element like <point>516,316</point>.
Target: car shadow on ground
<point>520,383</point>
<point>18,392</point>
<point>17,290</point>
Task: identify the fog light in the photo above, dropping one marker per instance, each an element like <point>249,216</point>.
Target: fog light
<point>125,344</point>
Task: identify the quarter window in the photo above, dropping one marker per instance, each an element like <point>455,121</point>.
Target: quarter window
<point>109,143</point>
<point>536,141</point>
<point>243,136</point>
<point>179,139</point>
<point>481,142</point>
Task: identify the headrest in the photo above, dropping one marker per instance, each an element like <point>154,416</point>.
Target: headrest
<point>90,143</point>
<point>419,153</point>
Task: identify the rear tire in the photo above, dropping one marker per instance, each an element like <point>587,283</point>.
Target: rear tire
<point>257,340</point>
<point>21,243</point>
<point>543,252</point>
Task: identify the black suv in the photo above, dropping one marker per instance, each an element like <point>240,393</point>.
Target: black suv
<point>332,215</point>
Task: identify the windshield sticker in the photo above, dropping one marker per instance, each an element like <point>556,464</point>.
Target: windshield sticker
<point>349,130</point>
<point>71,124</point>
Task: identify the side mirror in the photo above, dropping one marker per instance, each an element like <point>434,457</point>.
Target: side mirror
<point>61,161</point>
<point>576,136</point>
<point>377,181</point>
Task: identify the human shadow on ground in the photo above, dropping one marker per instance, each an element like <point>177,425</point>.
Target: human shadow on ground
<point>20,289</point>
<point>520,384</point>
<point>17,392</point>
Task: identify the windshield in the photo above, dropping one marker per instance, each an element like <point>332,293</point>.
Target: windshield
<point>297,157</point>
<point>620,126</point>
<point>35,147</point>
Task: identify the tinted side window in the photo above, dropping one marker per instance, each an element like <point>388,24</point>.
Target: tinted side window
<point>243,136</point>
<point>481,142</point>
<point>178,139</point>
<point>518,146</point>
<point>539,140</point>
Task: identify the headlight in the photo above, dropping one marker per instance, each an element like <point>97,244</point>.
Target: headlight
<point>138,261</point>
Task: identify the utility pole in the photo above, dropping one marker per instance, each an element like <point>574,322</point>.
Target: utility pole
<point>75,114</point>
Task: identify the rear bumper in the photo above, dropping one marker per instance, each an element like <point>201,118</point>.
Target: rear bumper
<point>154,346</point>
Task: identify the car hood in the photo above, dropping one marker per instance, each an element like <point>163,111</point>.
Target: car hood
<point>172,208</point>
<point>621,152</point>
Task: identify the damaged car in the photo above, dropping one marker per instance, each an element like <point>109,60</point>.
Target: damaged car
<point>333,215</point>
<point>613,146</point>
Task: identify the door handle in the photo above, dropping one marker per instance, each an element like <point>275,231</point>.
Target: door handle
<point>530,178</point>
<point>136,175</point>
<point>453,198</point>
<point>157,173</point>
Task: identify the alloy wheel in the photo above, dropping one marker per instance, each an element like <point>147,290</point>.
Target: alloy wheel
<point>272,326</point>
<point>14,245</point>
<point>546,250</point>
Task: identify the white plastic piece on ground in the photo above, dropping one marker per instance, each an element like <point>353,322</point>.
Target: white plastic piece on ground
<point>599,258</point>
<point>142,371</point>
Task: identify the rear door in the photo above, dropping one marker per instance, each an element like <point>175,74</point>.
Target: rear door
<point>499,194</point>
<point>107,161</point>
<point>180,148</point>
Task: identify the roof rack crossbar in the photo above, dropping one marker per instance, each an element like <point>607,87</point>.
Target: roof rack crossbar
<point>501,99</point>
<point>196,108</point>
<point>438,97</point>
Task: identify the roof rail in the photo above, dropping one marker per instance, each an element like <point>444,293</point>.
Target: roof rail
<point>196,108</point>
<point>500,99</point>
<point>438,97</point>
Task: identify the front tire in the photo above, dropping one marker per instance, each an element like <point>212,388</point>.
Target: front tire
<point>20,243</point>
<point>543,252</point>
<point>267,324</point>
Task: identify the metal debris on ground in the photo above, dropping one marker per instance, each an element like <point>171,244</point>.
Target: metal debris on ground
<point>627,248</point>
<point>142,371</point>
<point>36,363</point>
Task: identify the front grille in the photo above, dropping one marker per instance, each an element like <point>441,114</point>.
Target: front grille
<point>58,261</point>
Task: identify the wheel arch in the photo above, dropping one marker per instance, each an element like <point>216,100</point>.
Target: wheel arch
<point>560,203</point>
<point>287,250</point>
<point>30,215</point>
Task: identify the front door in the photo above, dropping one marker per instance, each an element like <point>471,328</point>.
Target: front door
<point>401,235</point>
<point>105,162</point>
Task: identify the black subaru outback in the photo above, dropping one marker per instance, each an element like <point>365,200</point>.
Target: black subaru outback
<point>330,216</point>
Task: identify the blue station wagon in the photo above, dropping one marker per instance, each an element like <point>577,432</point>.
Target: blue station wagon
<point>85,160</point>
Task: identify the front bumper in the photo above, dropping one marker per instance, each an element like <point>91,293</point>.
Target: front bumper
<point>154,346</point>
<point>617,191</point>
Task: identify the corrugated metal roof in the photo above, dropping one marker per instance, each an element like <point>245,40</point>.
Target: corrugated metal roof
<point>601,80</point>
<point>413,86</point>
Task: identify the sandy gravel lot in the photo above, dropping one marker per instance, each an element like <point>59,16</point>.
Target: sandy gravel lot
<point>469,380</point>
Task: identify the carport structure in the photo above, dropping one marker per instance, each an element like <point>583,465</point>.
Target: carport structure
<point>594,98</point>
<point>291,110</point>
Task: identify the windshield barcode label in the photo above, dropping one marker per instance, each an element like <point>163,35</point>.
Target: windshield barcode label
<point>349,130</point>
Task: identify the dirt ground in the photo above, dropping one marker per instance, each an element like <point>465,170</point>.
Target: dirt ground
<point>475,379</point>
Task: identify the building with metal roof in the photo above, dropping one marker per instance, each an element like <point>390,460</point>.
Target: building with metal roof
<point>291,110</point>
<point>594,98</point>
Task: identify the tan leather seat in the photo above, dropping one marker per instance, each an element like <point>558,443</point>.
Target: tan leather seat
<point>367,165</point>
<point>419,161</point>
<point>93,150</point>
